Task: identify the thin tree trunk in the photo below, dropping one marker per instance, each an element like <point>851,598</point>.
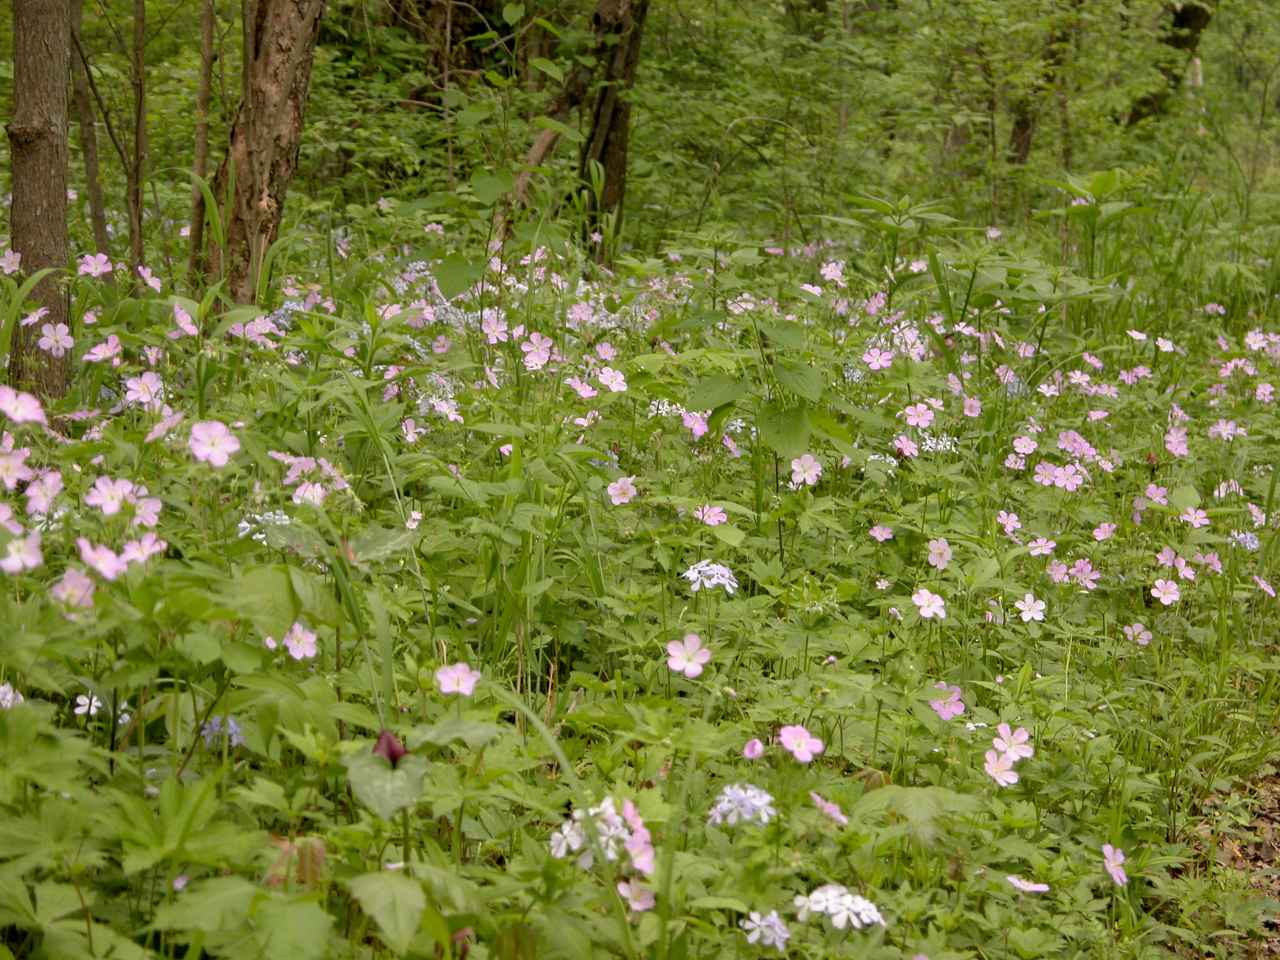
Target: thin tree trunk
<point>1187,22</point>
<point>200,167</point>
<point>38,152</point>
<point>262,153</point>
<point>88,137</point>
<point>606,144</point>
<point>138,168</point>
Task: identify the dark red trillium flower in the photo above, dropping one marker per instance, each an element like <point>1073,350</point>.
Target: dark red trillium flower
<point>389,746</point>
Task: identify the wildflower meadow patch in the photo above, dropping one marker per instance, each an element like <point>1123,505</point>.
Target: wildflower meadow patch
<point>819,603</point>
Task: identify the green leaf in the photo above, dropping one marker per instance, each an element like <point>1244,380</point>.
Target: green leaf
<point>489,188</point>
<point>552,70</point>
<point>455,275</point>
<point>566,131</point>
<point>789,335</point>
<point>210,906</point>
<point>801,379</point>
<point>728,535</point>
<point>785,429</point>
<point>716,391</point>
<point>513,13</point>
<point>1180,498</point>
<point>264,596</point>
<point>473,733</point>
<point>921,807</point>
<point>384,790</point>
<point>297,929</point>
<point>394,901</point>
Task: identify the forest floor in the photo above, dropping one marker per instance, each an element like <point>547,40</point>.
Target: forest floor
<point>1254,849</point>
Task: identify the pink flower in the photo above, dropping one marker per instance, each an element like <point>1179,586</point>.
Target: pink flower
<point>300,642</point>
<point>638,896</point>
<point>1264,586</point>
<point>711,515</point>
<point>458,678</point>
<point>939,553</point>
<point>929,604</point>
<point>102,559</point>
<point>146,390</point>
<point>108,495</point>
<point>905,445</point>
<point>1196,517</point>
<point>613,379</point>
<point>1113,860</point>
<point>213,442</point>
<point>877,359</point>
<point>1009,521</point>
<point>918,415</point>
<point>881,533</point>
<point>22,553</point>
<point>805,470</point>
<point>687,656</point>
<point>74,589</point>
<point>999,767</point>
<point>20,407</point>
<point>950,706</point>
<point>972,407</point>
<point>94,265</point>
<point>753,749</point>
<point>832,810</point>
<point>695,423</point>
<point>1175,441</point>
<point>1138,633</point>
<point>1040,547</point>
<point>1015,743</point>
<point>1030,608</point>
<point>622,490</point>
<point>1026,886</point>
<point>55,339</point>
<point>1103,531</point>
<point>800,743</point>
<point>1166,591</point>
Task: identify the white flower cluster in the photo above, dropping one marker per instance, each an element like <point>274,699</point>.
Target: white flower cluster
<point>844,909</point>
<point>615,833</point>
<point>706,574</point>
<point>941,443</point>
<point>253,523</point>
<point>742,803</point>
<point>768,929</point>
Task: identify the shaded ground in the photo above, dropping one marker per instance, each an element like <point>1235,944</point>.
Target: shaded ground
<point>1254,849</point>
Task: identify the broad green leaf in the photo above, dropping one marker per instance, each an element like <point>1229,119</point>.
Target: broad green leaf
<point>801,379</point>
<point>473,733</point>
<point>513,13</point>
<point>716,391</point>
<point>384,790</point>
<point>552,70</point>
<point>785,429</point>
<point>456,274</point>
<point>394,901</point>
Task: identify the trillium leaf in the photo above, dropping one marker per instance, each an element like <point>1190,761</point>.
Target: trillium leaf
<point>395,902</point>
<point>383,789</point>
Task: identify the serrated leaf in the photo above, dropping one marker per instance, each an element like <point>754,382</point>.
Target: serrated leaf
<point>456,274</point>
<point>719,903</point>
<point>210,906</point>
<point>489,188</point>
<point>716,391</point>
<point>800,378</point>
<point>394,901</point>
<point>785,429</point>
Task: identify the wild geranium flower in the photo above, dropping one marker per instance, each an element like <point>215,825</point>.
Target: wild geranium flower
<point>300,642</point>
<point>1264,586</point>
<point>20,407</point>
<point>74,589</point>
<point>1041,547</point>
<point>1195,517</point>
<point>918,415</point>
<point>1030,608</point>
<point>457,678</point>
<point>612,379</point>
<point>742,803</point>
<point>1138,633</point>
<point>622,490</point>
<point>929,604</point>
<point>905,446</point>
<point>711,515</point>
<point>638,896</point>
<point>831,810</point>
<point>805,470</point>
<point>1175,441</point>
<point>687,656</point>
<point>881,533</point>
<point>1166,591</point>
<point>1113,860</point>
<point>1015,743</point>
<point>1104,531</point>
<point>939,553</point>
<point>213,442</point>
<point>753,749</point>
<point>145,390</point>
<point>1026,886</point>
<point>22,553</point>
<point>949,706</point>
<point>999,767</point>
<point>55,339</point>
<point>94,265</point>
<point>10,262</point>
<point>705,575</point>
<point>877,359</point>
<point>800,743</point>
<point>767,928</point>
<point>102,559</point>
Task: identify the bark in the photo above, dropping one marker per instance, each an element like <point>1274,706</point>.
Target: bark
<point>606,144</point>
<point>262,153</point>
<point>1187,22</point>
<point>200,166</point>
<point>136,179</point>
<point>38,153</point>
<point>88,137</point>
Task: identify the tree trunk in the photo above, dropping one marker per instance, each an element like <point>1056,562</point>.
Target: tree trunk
<point>38,152</point>
<point>606,144</point>
<point>136,179</point>
<point>200,167</point>
<point>88,137</point>
<point>1187,22</point>
<point>263,150</point>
